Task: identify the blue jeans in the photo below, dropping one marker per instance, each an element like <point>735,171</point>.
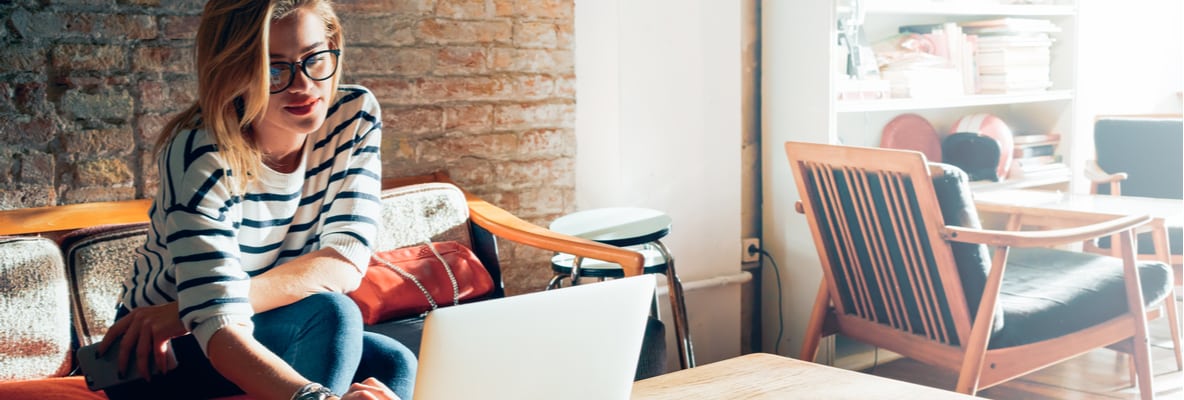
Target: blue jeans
<point>299,334</point>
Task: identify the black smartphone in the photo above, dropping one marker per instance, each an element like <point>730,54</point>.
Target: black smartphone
<point>102,370</point>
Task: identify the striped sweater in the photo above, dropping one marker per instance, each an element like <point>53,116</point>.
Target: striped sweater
<point>205,244</point>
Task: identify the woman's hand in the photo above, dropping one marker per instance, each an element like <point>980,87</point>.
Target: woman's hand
<point>145,331</point>
<point>369,389</point>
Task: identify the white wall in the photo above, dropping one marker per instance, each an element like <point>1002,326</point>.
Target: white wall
<point>1131,58</point>
<point>1130,61</point>
<point>658,126</point>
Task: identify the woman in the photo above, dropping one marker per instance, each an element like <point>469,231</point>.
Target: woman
<point>265,214</point>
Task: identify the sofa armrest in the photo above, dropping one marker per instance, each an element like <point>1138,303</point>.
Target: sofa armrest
<point>505,225</point>
<point>74,216</point>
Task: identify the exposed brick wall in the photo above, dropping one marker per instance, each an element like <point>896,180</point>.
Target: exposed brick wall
<point>482,88</point>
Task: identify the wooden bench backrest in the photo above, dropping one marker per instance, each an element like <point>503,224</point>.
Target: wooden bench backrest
<point>56,220</point>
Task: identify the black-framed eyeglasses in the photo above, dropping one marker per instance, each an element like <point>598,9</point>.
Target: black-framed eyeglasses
<point>317,66</point>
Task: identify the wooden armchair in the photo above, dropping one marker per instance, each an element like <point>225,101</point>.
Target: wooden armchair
<point>907,267</point>
<point>1140,155</point>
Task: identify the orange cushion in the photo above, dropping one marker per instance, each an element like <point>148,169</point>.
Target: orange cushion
<point>67,388</point>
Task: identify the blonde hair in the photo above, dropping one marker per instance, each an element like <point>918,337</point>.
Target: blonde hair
<point>231,56</point>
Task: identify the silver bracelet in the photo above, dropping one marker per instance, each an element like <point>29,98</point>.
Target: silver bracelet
<point>313,391</point>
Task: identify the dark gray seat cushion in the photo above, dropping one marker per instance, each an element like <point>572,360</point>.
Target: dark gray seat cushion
<point>1046,293</point>
<point>1049,293</point>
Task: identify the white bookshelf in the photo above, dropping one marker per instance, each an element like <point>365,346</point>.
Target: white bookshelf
<point>953,7</point>
<point>905,104</point>
<point>799,103</point>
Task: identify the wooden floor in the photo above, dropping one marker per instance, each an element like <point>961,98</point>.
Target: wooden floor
<point>1100,374</point>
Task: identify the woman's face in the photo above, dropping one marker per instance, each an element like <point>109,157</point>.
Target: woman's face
<point>300,108</point>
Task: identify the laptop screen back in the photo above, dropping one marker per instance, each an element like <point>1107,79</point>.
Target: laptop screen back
<point>579,342</point>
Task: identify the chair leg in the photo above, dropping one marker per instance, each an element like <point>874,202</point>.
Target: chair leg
<point>809,351</point>
<point>1143,363</point>
<point>1130,368</point>
<point>1134,296</point>
<point>678,307</point>
<point>1174,321</point>
<point>975,353</point>
<point>1159,237</point>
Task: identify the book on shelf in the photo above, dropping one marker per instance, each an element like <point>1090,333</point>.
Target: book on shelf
<point>923,83</point>
<point>1016,75</point>
<point>1016,70</point>
<point>1009,25</point>
<point>1009,88</point>
<point>992,42</point>
<point>1034,161</point>
<point>1029,170</point>
<point>945,41</point>
<point>1035,138</point>
<point>1013,57</point>
<point>1034,150</point>
<point>1053,170</point>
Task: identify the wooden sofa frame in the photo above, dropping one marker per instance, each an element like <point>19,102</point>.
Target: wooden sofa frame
<point>54,221</point>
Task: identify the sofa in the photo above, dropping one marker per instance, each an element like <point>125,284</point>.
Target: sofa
<point>61,268</point>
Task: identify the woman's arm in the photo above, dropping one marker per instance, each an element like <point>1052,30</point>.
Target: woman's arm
<point>253,368</point>
<point>321,271</point>
<point>232,350</point>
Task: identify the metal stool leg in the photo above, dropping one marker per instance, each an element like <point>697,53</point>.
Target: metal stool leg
<point>575,270</point>
<point>678,307</point>
<point>556,281</point>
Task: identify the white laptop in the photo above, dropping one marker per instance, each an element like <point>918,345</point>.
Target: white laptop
<point>579,342</point>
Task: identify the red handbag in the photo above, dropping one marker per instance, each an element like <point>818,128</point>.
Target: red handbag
<point>414,280</point>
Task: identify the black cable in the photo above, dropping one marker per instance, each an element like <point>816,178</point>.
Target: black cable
<point>780,303</point>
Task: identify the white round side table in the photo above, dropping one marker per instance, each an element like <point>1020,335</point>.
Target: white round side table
<point>639,229</point>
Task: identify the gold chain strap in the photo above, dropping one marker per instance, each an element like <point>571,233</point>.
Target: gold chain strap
<point>418,284</point>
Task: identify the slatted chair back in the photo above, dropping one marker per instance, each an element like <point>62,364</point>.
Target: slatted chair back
<point>878,219</point>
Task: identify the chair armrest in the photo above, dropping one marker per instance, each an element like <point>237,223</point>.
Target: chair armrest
<point>505,225</point>
<point>1097,175</point>
<point>1045,238</point>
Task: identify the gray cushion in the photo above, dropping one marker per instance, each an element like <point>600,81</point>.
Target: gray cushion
<point>98,260</point>
<point>428,211</point>
<point>957,209</point>
<point>34,310</point>
<point>1048,293</point>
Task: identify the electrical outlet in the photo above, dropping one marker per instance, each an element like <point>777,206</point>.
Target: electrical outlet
<point>750,256</point>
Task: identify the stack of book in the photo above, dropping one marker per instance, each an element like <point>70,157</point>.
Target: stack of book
<point>950,72</point>
<point>1013,54</point>
<point>1034,156</point>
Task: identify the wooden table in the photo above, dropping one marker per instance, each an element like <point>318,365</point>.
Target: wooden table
<point>768,376</point>
<point>1164,213</point>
